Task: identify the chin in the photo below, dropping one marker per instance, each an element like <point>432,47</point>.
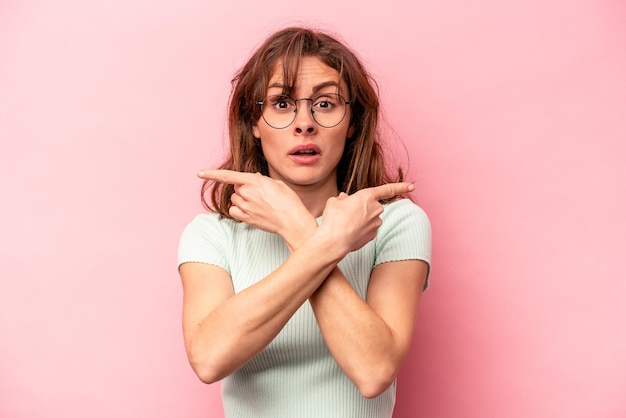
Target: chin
<point>310,176</point>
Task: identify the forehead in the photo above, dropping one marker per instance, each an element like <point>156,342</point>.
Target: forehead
<point>312,75</point>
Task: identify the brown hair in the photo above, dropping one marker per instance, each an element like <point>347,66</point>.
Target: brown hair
<point>362,163</point>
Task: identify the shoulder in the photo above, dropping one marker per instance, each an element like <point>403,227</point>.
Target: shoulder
<point>404,235</point>
<point>207,235</point>
<point>208,219</point>
<point>403,211</point>
<point>212,224</point>
<point>405,230</point>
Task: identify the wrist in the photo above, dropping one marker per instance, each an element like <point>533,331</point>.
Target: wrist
<point>331,242</point>
<point>298,231</point>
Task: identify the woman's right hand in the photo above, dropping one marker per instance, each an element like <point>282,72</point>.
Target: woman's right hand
<point>353,220</point>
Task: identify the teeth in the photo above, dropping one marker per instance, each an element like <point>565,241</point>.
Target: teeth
<point>308,151</point>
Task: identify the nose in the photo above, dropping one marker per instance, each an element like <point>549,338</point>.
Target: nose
<point>304,123</point>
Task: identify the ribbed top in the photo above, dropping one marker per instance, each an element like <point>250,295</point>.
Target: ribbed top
<point>295,375</point>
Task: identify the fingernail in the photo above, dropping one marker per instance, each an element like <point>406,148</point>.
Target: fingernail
<point>200,173</point>
<point>411,187</point>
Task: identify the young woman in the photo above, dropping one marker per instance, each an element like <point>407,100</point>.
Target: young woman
<point>302,283</point>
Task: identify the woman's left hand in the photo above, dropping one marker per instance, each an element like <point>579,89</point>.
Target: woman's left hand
<point>266,203</point>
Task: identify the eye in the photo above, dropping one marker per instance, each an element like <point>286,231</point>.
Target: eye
<point>325,103</point>
<point>281,103</point>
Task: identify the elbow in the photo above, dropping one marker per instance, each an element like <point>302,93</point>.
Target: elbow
<point>210,363</point>
<point>206,376</point>
<point>374,388</point>
<point>374,384</point>
<point>207,371</point>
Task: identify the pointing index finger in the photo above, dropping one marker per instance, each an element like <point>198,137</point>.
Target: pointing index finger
<point>389,190</point>
<point>228,176</point>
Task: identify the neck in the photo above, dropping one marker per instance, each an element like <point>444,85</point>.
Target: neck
<point>315,199</point>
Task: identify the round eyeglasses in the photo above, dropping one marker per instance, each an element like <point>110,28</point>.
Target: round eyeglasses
<point>279,111</point>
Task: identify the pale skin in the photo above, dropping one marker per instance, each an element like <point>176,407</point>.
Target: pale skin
<point>369,338</point>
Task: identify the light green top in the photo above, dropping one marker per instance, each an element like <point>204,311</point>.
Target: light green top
<point>295,376</point>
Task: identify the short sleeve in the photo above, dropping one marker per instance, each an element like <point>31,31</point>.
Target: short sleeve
<point>205,240</point>
<point>404,235</point>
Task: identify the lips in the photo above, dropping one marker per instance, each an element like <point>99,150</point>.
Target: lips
<point>306,154</point>
<point>306,149</point>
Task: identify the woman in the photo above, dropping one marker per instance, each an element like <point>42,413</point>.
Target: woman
<point>299,291</point>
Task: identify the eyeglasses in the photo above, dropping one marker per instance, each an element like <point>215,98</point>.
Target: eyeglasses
<point>279,111</point>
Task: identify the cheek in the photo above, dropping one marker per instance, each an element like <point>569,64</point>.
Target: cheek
<point>338,150</point>
<point>270,145</point>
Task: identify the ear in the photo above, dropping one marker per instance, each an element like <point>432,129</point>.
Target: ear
<point>256,132</point>
<point>350,131</point>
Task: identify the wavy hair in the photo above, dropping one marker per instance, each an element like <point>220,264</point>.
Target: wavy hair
<point>362,163</point>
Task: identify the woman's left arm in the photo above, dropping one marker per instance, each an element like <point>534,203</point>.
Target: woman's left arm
<point>370,339</point>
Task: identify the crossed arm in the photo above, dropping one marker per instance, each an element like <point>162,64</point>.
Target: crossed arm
<point>368,339</point>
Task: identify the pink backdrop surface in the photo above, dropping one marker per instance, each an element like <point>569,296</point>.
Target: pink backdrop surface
<point>514,117</point>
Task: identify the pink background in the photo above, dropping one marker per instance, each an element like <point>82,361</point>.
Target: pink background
<point>514,116</point>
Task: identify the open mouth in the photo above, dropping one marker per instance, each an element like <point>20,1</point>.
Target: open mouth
<point>305,150</point>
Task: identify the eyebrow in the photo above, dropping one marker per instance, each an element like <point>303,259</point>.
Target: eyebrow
<point>326,84</point>
<point>316,88</point>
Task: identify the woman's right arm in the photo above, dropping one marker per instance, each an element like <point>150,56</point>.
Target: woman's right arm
<point>223,330</point>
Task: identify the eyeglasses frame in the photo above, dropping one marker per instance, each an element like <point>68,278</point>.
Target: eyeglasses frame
<point>310,99</point>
